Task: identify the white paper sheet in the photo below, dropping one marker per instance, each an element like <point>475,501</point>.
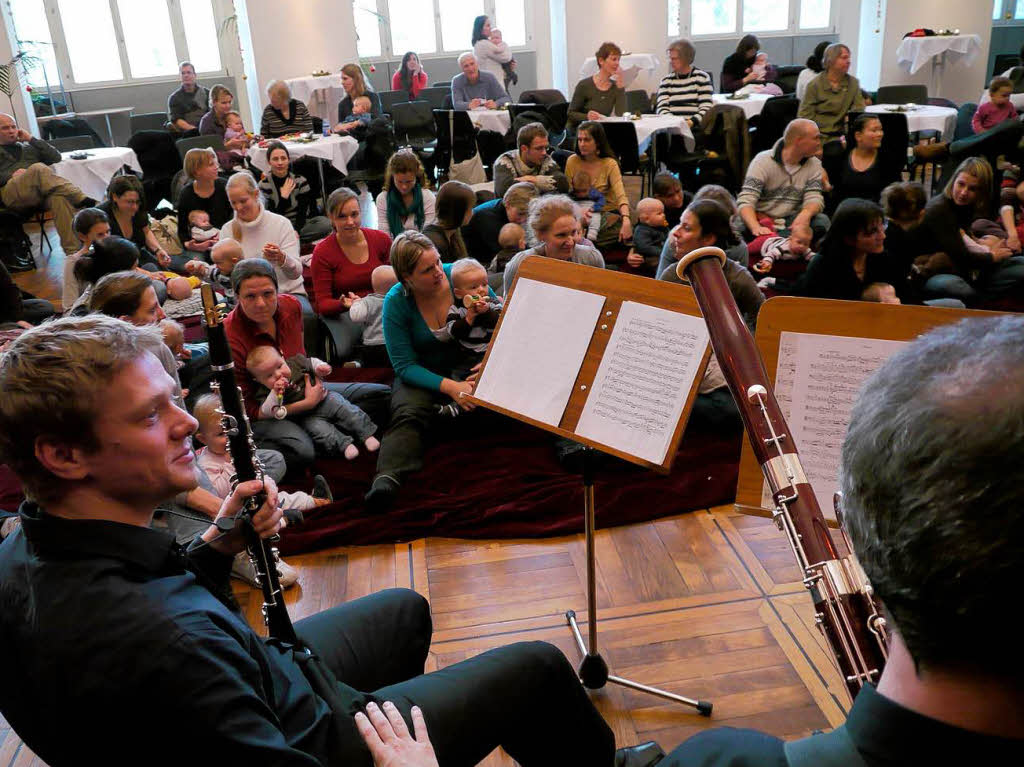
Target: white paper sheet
<point>545,332</point>
<point>646,374</point>
<point>817,382</point>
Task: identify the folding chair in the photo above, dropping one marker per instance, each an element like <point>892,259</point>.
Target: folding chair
<point>389,98</point>
<point>73,143</point>
<point>216,143</point>
<point>148,121</point>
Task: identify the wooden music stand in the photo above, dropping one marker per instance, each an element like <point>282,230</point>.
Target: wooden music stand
<point>616,288</point>
<point>851,319</point>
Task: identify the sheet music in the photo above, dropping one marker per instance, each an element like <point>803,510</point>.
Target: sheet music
<point>821,377</point>
<point>534,360</point>
<point>645,376</point>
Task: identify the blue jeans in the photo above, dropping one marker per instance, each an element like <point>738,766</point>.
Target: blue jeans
<point>335,423</point>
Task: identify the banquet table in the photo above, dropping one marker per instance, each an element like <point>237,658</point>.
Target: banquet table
<point>320,94</point>
<point>914,52</point>
<point>93,173</point>
<point>640,70</point>
<point>337,150</point>
<point>751,105</point>
<point>648,125</point>
<point>491,119</point>
<point>924,117</point>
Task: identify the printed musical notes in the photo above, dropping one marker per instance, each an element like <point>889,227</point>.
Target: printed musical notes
<point>536,357</point>
<point>817,381</point>
<point>644,379</point>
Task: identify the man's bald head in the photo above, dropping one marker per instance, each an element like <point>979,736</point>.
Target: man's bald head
<point>803,138</point>
<point>798,129</point>
<point>8,129</point>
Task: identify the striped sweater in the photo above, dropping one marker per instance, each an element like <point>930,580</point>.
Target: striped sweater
<point>772,191</point>
<point>686,95</point>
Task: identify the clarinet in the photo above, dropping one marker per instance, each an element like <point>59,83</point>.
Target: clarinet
<point>846,611</point>
<point>242,451</point>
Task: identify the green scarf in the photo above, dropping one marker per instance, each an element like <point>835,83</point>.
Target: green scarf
<point>397,212</point>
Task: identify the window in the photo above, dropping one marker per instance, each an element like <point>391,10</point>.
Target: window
<point>103,41</point>
<point>673,18</point>
<point>390,28</point>
<point>734,17</point>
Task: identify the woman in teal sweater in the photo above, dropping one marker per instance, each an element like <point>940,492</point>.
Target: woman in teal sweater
<point>423,355</point>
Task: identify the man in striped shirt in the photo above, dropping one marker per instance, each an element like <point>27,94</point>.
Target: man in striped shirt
<point>686,90</point>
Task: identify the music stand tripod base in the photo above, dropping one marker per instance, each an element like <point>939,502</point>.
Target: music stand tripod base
<point>593,671</point>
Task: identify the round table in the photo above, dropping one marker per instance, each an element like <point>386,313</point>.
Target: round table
<point>498,120</point>
<point>751,105</point>
<point>321,95</point>
<point>337,150</point>
<point>93,173</point>
<point>639,70</point>
<point>924,117</point>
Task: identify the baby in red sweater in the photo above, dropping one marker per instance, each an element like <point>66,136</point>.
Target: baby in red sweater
<point>998,109</point>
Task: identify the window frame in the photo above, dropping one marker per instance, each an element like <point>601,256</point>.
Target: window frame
<point>387,52</point>
<point>685,23</point>
<point>1008,7</point>
<point>60,48</point>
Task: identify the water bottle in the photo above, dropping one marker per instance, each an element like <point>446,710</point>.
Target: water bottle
<point>327,128</point>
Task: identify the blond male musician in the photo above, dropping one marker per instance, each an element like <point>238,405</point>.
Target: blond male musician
<point>933,498</point>
<point>123,648</point>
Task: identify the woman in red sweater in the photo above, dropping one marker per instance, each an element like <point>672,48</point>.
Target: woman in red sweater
<point>342,265</point>
<point>410,77</point>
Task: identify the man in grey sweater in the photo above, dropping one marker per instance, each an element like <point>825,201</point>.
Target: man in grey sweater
<point>785,182</point>
<point>529,163</point>
<point>28,182</point>
<point>472,88</point>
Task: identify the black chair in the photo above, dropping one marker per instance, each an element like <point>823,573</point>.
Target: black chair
<point>73,143</point>
<point>1003,62</point>
<point>623,140</point>
<point>148,121</point>
<point>776,114</point>
<point>216,143</point>
<point>638,102</point>
<point>318,125</point>
<point>787,76</point>
<point>902,94</point>
<point>160,162</point>
<point>435,96</point>
<point>390,98</point>
<point>543,96</point>
<point>453,147</point>
<point>67,128</point>
<point>414,127</point>
<point>1016,76</point>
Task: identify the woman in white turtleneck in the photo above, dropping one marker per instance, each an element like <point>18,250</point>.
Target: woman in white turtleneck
<point>267,235</point>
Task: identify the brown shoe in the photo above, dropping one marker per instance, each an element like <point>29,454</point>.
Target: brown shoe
<point>931,152</point>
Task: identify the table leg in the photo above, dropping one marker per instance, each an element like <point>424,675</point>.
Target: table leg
<point>110,131</point>
<point>323,186</point>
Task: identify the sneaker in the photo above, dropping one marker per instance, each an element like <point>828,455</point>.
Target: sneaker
<point>243,569</point>
<point>321,489</point>
<point>451,410</point>
<point>9,526</point>
<point>382,494</point>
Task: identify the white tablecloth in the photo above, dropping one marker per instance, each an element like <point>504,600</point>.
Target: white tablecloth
<point>925,117</point>
<point>639,71</point>
<point>648,125</point>
<point>1017,99</point>
<point>751,105</point>
<point>320,94</point>
<point>491,119</point>
<point>914,52</point>
<point>337,150</point>
<point>92,175</point>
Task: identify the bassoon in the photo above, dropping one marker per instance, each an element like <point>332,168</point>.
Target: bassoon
<point>846,611</point>
<point>242,451</point>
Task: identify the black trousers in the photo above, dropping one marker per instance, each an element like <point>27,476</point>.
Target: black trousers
<point>523,697</point>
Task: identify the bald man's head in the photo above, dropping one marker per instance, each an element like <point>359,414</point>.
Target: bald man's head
<point>803,137</point>
<point>8,129</point>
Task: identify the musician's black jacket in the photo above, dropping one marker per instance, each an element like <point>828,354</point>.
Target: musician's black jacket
<point>77,601</point>
<point>884,733</point>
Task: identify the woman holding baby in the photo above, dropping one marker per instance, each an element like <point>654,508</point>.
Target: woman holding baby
<point>492,53</point>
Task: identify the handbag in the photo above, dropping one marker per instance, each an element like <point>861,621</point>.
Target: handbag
<point>166,232</point>
<point>469,171</point>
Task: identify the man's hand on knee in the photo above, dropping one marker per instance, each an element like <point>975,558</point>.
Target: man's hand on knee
<point>389,739</point>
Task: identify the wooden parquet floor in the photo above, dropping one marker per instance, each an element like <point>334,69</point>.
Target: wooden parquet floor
<point>708,605</point>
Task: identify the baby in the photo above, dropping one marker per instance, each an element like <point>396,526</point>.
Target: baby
<point>997,109</point>
<point>588,198</point>
<point>200,227</point>
<point>174,338</point>
<point>359,120</point>
<point>473,316</point>
<point>233,128</point>
<point>292,389</point>
<point>760,68</point>
<point>225,254</point>
<point>792,248</point>
<point>760,65</point>
<point>649,236</point>
<point>881,293</point>
<point>508,67</point>
<point>368,311</point>
<point>512,239</point>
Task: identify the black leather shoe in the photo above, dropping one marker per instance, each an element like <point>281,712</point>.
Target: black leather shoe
<point>644,755</point>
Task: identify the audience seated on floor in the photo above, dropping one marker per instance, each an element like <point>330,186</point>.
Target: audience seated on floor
<point>595,156</point>
<point>530,163</point>
<point>406,202</point>
<point>454,205</point>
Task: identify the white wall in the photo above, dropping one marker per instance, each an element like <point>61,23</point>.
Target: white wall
<point>637,27</point>
<point>959,83</point>
<point>23,113</point>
